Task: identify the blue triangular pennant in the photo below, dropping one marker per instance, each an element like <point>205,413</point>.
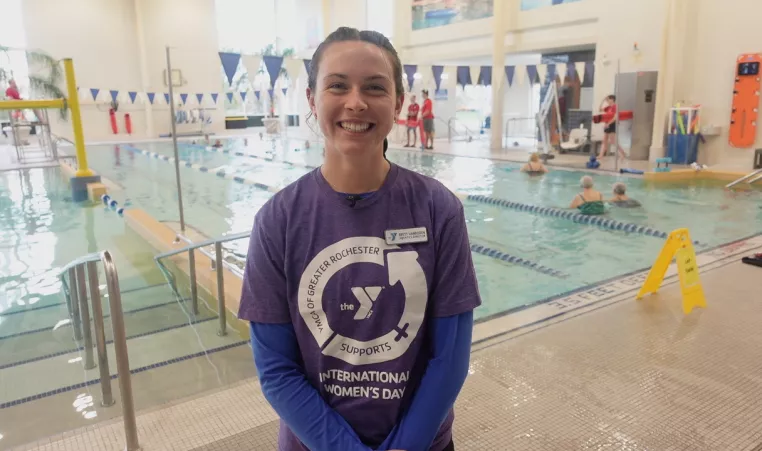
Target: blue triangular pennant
<point>200,98</point>
<point>284,91</point>
<point>271,92</point>
<point>230,64</point>
<point>133,95</point>
<point>150,96</point>
<point>229,96</point>
<point>410,73</point>
<point>437,72</point>
<point>114,94</point>
<point>273,65</point>
<point>532,73</point>
<point>307,65</point>
<point>551,72</point>
<point>243,95</point>
<point>166,98</point>
<point>94,92</point>
<point>256,93</point>
<point>485,75</point>
<point>214,97</point>
<point>464,75</point>
<point>184,98</point>
<point>510,71</point>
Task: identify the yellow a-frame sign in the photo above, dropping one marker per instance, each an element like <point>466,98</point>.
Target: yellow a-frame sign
<point>680,246</point>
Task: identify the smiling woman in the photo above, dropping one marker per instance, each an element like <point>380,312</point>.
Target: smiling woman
<point>392,320</point>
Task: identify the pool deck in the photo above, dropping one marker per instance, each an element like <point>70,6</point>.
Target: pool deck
<point>617,374</point>
<point>591,369</point>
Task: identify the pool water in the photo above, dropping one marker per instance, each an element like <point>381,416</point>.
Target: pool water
<point>584,254</point>
<point>42,229</point>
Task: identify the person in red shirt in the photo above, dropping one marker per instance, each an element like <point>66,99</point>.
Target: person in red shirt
<point>609,110</point>
<point>427,114</point>
<point>12,92</point>
<point>412,121</point>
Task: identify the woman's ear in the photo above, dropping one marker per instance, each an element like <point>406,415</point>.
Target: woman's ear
<point>311,101</point>
<point>398,106</point>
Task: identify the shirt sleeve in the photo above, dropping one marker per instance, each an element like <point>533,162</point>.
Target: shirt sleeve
<point>263,293</point>
<point>441,383</point>
<point>454,289</point>
<point>297,402</point>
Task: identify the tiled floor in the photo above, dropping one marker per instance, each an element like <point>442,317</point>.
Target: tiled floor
<point>633,375</point>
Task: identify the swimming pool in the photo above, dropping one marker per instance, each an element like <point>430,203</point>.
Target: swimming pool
<point>580,254</point>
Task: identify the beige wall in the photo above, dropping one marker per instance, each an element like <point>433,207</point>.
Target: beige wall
<point>724,33</point>
<point>103,39</point>
<point>100,37</point>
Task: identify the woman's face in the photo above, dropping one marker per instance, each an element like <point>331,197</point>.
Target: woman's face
<point>354,99</point>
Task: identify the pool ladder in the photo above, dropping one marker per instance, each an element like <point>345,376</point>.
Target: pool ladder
<point>748,178</point>
<point>218,266</point>
<point>75,292</point>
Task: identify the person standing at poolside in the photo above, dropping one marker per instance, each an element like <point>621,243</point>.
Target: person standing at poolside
<point>609,110</point>
<point>412,121</point>
<point>427,114</point>
<point>359,284</point>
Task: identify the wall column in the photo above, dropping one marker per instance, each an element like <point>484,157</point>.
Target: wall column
<point>500,22</point>
<point>673,44</point>
<point>145,79</point>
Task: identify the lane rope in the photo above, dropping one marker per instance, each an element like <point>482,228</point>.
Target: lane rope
<point>512,259</point>
<point>599,221</point>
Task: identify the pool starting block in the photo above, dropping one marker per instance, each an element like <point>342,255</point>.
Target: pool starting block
<point>665,161</point>
<point>679,246</point>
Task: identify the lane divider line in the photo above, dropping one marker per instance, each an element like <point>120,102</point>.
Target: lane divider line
<point>80,385</point>
<point>108,342</point>
<point>498,255</point>
<point>599,221</point>
<point>242,154</point>
<point>202,168</point>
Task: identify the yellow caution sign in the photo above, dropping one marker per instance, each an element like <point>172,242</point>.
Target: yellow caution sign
<point>680,246</point>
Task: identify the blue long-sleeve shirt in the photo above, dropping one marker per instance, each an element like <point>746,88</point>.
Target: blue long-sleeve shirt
<point>319,427</point>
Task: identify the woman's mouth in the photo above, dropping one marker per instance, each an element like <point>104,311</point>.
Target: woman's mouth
<point>356,127</point>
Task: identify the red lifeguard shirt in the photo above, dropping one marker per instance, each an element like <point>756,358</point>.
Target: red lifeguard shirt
<point>428,109</point>
<point>412,111</point>
<point>12,93</point>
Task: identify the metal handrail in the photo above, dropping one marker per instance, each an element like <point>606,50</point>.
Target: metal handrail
<point>218,263</point>
<point>450,128</point>
<point>75,292</point>
<point>746,177</point>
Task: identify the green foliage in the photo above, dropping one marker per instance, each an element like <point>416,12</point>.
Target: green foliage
<point>47,78</point>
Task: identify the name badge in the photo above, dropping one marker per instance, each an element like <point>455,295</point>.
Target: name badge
<point>406,236</point>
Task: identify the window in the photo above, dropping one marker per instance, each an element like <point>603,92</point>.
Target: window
<point>13,63</point>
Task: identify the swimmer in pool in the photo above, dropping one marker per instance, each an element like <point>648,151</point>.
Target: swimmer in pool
<point>621,199</point>
<point>534,166</point>
<point>589,201</point>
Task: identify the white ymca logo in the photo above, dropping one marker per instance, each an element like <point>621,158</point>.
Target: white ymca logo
<point>402,267</point>
<point>366,297</point>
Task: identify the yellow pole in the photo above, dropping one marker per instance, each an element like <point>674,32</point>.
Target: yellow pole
<point>31,104</point>
<point>76,120</point>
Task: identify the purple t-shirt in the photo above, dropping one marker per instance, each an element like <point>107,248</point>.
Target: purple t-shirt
<point>358,280</point>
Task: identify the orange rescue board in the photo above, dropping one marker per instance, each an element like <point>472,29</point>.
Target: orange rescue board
<point>743,116</point>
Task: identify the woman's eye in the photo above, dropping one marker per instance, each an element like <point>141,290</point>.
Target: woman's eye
<point>376,88</point>
<point>336,86</point>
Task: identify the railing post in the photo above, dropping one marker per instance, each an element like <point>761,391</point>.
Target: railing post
<point>120,349</point>
<point>220,289</point>
<point>449,130</point>
<point>193,285</point>
<point>85,311</point>
<point>100,335</point>
<point>76,321</point>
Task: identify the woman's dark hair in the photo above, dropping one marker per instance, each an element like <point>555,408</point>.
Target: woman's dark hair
<point>612,97</point>
<point>343,34</point>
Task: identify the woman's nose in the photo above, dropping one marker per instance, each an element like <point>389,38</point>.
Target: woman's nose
<point>355,101</point>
